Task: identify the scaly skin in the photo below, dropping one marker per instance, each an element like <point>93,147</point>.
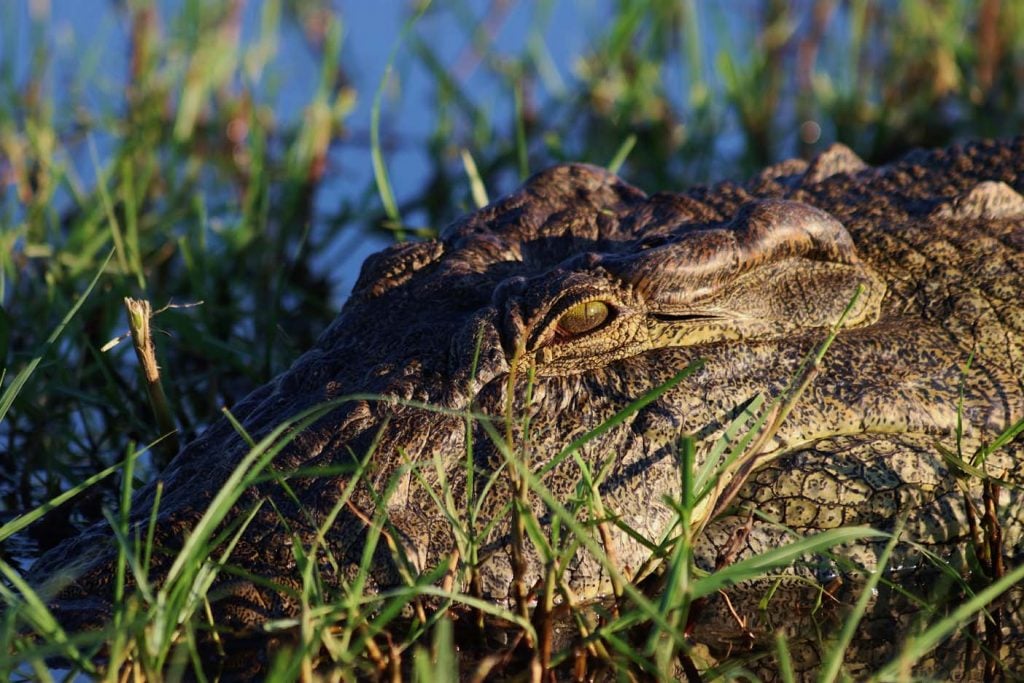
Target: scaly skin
<point>494,317</point>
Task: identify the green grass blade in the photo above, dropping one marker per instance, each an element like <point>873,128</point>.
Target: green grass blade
<point>380,171</point>
<point>18,523</point>
<point>834,659</point>
<point>16,385</point>
<point>620,155</point>
<point>476,183</point>
<point>758,565</point>
<point>108,207</point>
<point>37,614</point>
<point>783,658</point>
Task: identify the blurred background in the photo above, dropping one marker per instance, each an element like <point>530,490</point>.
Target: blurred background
<point>242,158</point>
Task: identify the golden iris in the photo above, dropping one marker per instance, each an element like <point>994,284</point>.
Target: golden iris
<point>582,318</point>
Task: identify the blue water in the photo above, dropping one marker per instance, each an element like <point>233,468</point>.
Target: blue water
<point>89,46</point>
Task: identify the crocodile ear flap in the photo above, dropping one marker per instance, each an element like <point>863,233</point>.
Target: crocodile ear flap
<point>800,293</point>
<point>799,266</point>
<point>779,265</point>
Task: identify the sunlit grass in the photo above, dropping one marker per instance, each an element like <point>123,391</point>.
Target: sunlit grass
<point>158,628</point>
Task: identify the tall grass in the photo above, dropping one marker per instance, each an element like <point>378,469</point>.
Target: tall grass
<point>165,630</point>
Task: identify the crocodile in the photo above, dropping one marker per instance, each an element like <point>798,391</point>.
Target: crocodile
<point>567,348</point>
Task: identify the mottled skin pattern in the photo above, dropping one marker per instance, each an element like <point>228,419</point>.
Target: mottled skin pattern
<point>747,278</point>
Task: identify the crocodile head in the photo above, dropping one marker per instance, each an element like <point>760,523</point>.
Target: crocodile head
<point>552,350</point>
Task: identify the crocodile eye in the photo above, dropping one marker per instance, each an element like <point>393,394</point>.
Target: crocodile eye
<point>582,318</point>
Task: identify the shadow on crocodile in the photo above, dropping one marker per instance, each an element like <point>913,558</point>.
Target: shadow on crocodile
<point>571,298</point>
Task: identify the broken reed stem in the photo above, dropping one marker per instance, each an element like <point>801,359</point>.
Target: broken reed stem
<point>139,313</point>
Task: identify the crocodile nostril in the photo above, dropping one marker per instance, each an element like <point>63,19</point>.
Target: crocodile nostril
<point>513,329</point>
<point>477,350</point>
